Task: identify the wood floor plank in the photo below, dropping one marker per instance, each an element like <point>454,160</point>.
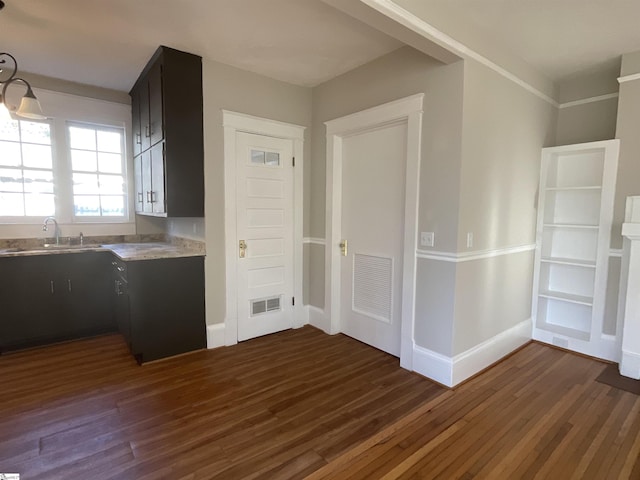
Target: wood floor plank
<point>301,404</point>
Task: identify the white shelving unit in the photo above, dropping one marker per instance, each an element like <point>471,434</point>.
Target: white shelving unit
<point>575,211</point>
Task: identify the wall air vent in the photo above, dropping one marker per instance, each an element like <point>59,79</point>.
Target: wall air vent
<point>265,305</point>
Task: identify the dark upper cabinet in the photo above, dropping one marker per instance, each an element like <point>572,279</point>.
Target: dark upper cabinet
<point>138,188</point>
<point>168,97</point>
<point>136,124</point>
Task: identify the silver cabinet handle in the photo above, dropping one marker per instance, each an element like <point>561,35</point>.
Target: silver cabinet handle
<point>139,197</point>
<point>147,131</point>
<point>120,269</point>
<point>69,285</point>
<point>148,197</point>
<point>139,138</point>
<point>52,288</point>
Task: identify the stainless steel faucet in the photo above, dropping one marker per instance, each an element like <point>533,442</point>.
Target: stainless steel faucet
<point>45,228</point>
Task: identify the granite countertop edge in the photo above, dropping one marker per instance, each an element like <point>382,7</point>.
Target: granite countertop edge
<point>127,252</point>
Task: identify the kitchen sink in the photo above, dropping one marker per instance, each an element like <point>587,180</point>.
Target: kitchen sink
<point>49,247</point>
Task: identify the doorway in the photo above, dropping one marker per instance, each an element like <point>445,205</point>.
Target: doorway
<point>372,203</point>
<point>263,226</point>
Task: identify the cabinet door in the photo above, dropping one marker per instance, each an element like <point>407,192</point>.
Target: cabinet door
<point>136,130</point>
<point>145,123</point>
<point>145,168</point>
<point>158,179</point>
<point>139,189</point>
<point>166,298</point>
<point>121,301</point>
<point>156,104</point>
<point>31,306</point>
<point>88,290</point>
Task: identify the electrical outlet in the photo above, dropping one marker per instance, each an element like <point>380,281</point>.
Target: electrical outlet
<point>469,240</point>
<point>427,239</point>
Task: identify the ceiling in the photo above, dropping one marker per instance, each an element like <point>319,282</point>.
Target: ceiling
<point>107,43</point>
<point>560,38</point>
<point>304,42</point>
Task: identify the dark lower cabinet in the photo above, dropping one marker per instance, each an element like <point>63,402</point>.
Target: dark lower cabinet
<point>159,306</point>
<point>50,298</point>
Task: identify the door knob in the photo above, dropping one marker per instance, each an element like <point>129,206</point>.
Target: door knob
<point>343,247</point>
<point>243,249</point>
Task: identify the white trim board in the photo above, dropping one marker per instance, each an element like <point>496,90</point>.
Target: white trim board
<point>629,78</point>
<point>215,335</point>
<point>418,25</point>
<point>409,110</point>
<point>314,240</point>
<point>474,255</point>
<point>630,364</point>
<point>585,101</point>
<point>450,371</point>
<point>318,319</point>
<point>233,123</point>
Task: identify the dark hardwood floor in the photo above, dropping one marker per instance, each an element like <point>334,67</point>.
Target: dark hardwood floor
<point>301,403</point>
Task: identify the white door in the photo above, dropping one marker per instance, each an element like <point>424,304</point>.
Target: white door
<point>373,197</point>
<point>265,226</point>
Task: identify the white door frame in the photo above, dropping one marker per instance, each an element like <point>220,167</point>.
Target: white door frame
<point>408,110</point>
<point>233,123</point>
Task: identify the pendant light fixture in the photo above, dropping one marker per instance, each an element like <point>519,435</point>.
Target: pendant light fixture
<point>29,106</point>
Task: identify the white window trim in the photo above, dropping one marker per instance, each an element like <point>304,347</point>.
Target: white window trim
<point>68,177</point>
<point>61,108</point>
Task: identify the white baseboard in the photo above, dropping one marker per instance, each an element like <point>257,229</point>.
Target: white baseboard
<point>451,371</point>
<point>318,319</point>
<point>478,358</point>
<point>215,335</point>
<point>630,365</point>
<point>433,365</point>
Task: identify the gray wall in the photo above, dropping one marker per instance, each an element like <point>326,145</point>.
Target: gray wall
<point>396,75</point>
<point>593,121</point>
<point>233,89</point>
<point>627,130</point>
<point>479,173</point>
<point>504,128</point>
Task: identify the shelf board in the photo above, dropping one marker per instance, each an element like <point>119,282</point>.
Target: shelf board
<point>569,261</point>
<point>567,297</point>
<point>566,331</point>
<point>584,187</point>
<point>568,225</point>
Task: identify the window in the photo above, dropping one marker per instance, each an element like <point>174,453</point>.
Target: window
<point>26,169</point>
<point>98,170</point>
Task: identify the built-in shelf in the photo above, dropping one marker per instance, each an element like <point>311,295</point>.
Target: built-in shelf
<point>569,261</point>
<point>567,297</point>
<point>568,225</point>
<point>567,189</point>
<point>566,331</point>
<point>575,212</point>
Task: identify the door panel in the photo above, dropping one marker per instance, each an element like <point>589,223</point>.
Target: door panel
<point>156,105</point>
<point>373,186</point>
<point>145,173</point>
<point>265,224</point>
<point>157,179</point>
<point>139,189</point>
